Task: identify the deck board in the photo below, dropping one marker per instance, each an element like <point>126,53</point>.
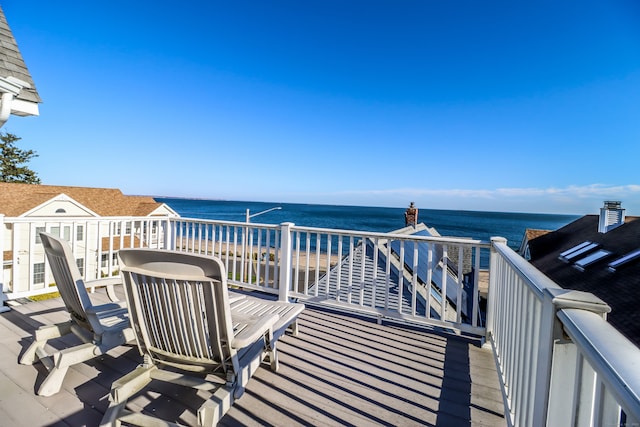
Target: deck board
<point>340,370</point>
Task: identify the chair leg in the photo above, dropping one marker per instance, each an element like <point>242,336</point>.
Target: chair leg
<point>61,362</point>
<point>53,382</point>
<point>122,390</point>
<point>294,328</point>
<point>211,411</point>
<point>40,338</point>
<point>273,357</point>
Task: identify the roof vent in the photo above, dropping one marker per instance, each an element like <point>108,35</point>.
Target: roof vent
<point>611,216</point>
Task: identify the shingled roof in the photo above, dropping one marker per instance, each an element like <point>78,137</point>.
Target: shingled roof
<point>12,64</point>
<point>620,288</point>
<point>17,199</point>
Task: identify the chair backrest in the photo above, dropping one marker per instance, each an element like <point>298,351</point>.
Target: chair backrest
<point>67,277</point>
<point>179,308</point>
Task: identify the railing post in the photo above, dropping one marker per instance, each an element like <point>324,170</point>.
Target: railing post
<point>3,297</point>
<point>493,286</point>
<point>556,391</point>
<point>286,253</point>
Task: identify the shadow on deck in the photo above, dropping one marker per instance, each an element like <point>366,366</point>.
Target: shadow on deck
<point>340,370</point>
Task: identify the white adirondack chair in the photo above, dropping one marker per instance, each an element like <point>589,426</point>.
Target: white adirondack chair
<point>184,324</point>
<point>99,327</point>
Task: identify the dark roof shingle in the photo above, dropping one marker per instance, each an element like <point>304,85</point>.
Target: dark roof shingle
<point>620,289</point>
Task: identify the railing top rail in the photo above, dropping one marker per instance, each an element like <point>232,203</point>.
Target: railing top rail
<point>395,236</point>
<point>334,231</point>
<point>535,279</point>
<point>613,356</point>
<point>231,223</point>
<point>343,232</point>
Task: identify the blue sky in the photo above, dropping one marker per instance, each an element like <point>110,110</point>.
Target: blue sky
<point>493,105</point>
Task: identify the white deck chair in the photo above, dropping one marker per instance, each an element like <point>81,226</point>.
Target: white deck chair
<point>99,327</point>
<point>184,324</point>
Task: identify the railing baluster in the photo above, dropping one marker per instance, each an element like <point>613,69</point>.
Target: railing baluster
<point>363,271</point>
<point>445,271</point>
<point>476,287</point>
<point>328,274</point>
<point>338,270</point>
<point>460,285</point>
<point>350,278</point>
<point>374,291</point>
<point>318,241</point>
<point>259,258</point>
<point>308,262</point>
<point>429,285</point>
<point>414,280</point>
<point>268,261</point>
<point>387,272</point>
<point>401,277</point>
<point>296,265</point>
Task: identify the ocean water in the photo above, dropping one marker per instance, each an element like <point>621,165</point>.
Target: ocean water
<point>473,224</point>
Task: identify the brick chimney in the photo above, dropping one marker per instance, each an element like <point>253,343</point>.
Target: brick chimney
<point>611,216</point>
<point>411,216</point>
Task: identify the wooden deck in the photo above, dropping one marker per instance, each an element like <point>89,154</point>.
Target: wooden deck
<point>341,370</point>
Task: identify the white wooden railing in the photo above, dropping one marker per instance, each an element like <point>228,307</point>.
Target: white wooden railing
<point>95,243</point>
<point>347,269</point>
<point>559,361</point>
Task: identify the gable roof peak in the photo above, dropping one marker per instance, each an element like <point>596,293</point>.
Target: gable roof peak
<point>12,66</point>
<point>16,199</point>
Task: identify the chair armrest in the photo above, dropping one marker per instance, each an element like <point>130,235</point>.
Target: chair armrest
<point>255,327</point>
<point>109,283</point>
<point>107,309</point>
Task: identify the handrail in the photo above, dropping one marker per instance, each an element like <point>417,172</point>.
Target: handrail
<point>612,356</point>
<point>533,277</point>
<point>559,361</point>
<point>396,236</point>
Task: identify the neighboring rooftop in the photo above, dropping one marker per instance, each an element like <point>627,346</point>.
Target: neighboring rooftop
<point>533,233</point>
<point>18,199</point>
<point>596,262</point>
<point>12,64</point>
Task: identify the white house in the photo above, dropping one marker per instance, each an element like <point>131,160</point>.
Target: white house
<point>96,222</point>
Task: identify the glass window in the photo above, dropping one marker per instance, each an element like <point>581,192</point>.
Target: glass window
<point>66,230</point>
<point>631,256</point>
<point>80,264</point>
<point>578,251</point>
<point>38,230</point>
<point>38,272</point>
<point>592,258</point>
<point>80,233</point>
